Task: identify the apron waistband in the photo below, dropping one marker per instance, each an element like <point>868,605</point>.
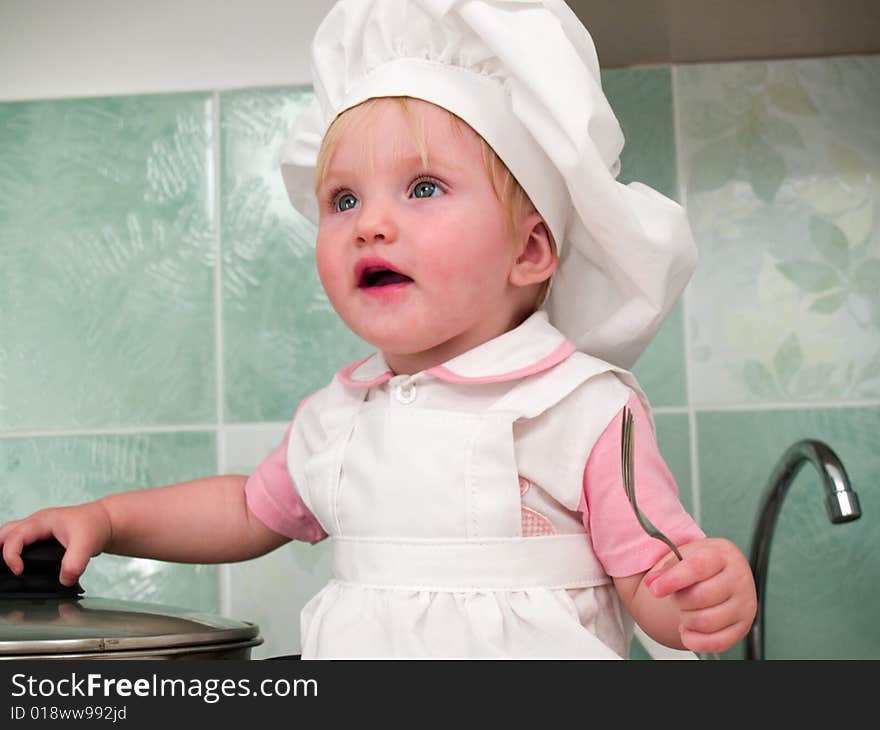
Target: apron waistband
<point>469,564</point>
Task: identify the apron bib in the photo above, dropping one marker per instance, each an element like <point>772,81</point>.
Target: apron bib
<point>423,509</point>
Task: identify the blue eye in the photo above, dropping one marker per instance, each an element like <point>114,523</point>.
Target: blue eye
<point>426,189</point>
<point>344,202</point>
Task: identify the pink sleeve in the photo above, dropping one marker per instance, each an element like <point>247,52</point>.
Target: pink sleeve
<point>621,545</point>
<point>272,497</point>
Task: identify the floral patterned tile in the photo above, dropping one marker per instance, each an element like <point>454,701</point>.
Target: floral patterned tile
<point>282,339</point>
<point>106,262</point>
<point>36,473</point>
<point>783,189</point>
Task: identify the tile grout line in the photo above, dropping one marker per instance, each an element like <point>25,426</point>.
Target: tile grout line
<point>756,408</point>
<point>254,425</point>
<point>218,279</point>
<point>681,189</point>
<point>224,587</point>
<point>111,431</point>
<point>670,410</point>
<point>782,406</point>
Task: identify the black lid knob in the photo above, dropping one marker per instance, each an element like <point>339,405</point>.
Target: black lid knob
<point>39,579</point>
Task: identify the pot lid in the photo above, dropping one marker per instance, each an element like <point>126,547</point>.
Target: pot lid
<point>40,616</point>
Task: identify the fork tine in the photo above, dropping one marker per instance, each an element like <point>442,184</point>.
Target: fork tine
<point>629,481</point>
<point>624,444</point>
<point>629,453</point>
<point>625,457</point>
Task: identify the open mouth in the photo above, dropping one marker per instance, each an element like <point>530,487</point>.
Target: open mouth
<point>375,276</point>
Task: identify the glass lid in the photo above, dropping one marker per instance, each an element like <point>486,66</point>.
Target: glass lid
<point>67,625</point>
<point>40,616</point>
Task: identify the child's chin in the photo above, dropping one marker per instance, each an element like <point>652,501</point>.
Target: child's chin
<point>392,344</point>
<point>386,338</point>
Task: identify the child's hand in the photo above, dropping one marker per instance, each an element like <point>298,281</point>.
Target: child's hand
<point>713,589</point>
<point>84,530</point>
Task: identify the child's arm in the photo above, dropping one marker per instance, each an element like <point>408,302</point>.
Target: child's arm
<point>705,603</point>
<point>202,521</point>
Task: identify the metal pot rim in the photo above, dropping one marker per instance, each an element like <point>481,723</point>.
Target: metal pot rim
<point>120,631</point>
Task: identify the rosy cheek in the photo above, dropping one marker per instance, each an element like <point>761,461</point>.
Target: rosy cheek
<point>327,265</point>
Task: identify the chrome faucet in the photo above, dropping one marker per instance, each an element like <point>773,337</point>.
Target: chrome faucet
<point>841,502</point>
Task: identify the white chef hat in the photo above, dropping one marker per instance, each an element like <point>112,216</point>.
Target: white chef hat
<point>525,76</point>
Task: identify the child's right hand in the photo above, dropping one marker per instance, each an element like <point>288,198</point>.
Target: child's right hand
<point>84,530</point>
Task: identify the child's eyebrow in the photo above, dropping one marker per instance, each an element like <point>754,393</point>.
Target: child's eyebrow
<point>407,161</point>
<point>441,165</point>
<point>403,162</point>
<point>332,177</point>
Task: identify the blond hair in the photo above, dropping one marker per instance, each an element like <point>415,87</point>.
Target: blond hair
<point>510,193</point>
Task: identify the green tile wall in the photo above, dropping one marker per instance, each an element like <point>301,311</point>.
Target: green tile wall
<point>649,156</point>
<point>54,471</point>
<point>673,437</point>
<point>822,593</point>
<point>282,339</point>
<point>106,263</point>
<point>110,242</point>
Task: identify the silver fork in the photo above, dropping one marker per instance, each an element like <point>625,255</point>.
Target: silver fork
<point>626,466</point>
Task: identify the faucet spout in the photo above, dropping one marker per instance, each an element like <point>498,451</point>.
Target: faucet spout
<point>841,502</point>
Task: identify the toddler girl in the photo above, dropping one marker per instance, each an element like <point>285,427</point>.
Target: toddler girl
<point>458,157</point>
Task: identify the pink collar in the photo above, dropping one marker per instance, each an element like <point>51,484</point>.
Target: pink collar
<point>531,348</point>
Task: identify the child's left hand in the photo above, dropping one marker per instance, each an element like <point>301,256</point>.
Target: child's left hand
<point>713,589</point>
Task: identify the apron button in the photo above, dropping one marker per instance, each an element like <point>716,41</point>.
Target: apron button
<point>405,394</point>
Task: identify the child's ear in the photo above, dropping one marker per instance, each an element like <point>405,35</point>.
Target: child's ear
<point>537,259</point>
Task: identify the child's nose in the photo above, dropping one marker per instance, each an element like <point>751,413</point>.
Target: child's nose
<point>376,224</point>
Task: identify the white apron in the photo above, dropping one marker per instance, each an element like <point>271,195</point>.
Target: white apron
<point>423,509</point>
